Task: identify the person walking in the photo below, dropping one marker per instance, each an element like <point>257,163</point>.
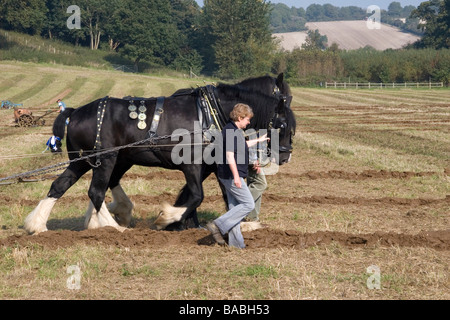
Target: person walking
<point>232,172</point>
<point>61,105</point>
<point>62,108</point>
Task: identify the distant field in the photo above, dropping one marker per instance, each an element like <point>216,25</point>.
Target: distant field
<point>351,35</point>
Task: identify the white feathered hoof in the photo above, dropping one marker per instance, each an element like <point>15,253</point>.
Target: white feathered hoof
<point>251,225</point>
<point>100,219</point>
<point>36,222</point>
<point>121,207</point>
<point>168,215</point>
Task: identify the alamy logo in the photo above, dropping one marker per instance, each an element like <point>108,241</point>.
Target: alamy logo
<point>74,281</point>
<point>191,150</point>
<point>74,21</point>
<point>374,21</point>
<point>374,281</point>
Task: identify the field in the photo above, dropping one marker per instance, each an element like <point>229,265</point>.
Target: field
<point>361,212</point>
<point>351,35</point>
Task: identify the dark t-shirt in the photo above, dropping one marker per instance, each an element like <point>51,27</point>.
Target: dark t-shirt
<point>234,141</point>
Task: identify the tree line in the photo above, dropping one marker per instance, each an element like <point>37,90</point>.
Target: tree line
<point>312,67</point>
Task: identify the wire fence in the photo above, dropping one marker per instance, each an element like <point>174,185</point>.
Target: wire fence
<point>375,85</point>
<point>125,68</point>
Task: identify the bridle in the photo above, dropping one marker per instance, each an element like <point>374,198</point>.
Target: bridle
<point>279,119</point>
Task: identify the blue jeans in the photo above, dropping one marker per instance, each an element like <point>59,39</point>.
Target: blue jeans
<point>240,204</point>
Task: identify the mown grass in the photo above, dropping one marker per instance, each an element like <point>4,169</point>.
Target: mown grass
<point>317,273</point>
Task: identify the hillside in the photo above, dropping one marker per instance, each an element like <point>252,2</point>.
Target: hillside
<point>350,35</point>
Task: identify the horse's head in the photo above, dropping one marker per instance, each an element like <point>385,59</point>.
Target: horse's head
<point>285,124</point>
<point>284,119</point>
<point>281,87</point>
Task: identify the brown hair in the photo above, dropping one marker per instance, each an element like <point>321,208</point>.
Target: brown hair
<point>241,111</point>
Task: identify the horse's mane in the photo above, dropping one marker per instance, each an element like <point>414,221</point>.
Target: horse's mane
<point>257,83</point>
<point>268,82</point>
<point>184,92</point>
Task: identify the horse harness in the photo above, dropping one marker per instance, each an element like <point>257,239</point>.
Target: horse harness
<point>210,113</point>
<point>98,143</point>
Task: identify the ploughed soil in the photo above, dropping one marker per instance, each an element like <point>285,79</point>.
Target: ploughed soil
<point>262,238</point>
<point>143,235</point>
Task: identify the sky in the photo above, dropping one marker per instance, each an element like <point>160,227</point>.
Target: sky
<point>383,4</point>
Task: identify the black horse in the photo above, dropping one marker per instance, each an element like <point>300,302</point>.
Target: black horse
<point>277,87</point>
<point>109,124</point>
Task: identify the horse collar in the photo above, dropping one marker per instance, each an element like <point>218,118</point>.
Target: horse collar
<point>211,114</point>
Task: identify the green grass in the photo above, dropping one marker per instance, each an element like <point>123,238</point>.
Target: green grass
<point>259,271</point>
<point>23,47</point>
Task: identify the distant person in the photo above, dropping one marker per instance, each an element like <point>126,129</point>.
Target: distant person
<point>62,108</point>
<point>62,105</point>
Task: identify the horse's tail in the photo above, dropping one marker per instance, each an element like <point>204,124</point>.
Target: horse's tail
<point>59,126</point>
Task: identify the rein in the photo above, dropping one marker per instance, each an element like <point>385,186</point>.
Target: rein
<point>59,166</point>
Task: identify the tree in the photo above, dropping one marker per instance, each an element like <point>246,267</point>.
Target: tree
<point>330,12</point>
<point>94,13</point>
<point>314,12</point>
<point>435,15</point>
<point>315,41</point>
<point>56,23</point>
<point>145,30</point>
<point>285,19</point>
<point>238,34</point>
<point>23,16</point>
<point>395,9</point>
<point>186,14</point>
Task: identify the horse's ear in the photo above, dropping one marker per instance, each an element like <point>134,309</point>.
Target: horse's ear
<point>280,80</point>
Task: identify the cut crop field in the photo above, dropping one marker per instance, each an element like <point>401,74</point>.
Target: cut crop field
<point>350,35</point>
<point>368,188</point>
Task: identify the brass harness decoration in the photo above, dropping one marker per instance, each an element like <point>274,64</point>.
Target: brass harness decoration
<point>142,116</point>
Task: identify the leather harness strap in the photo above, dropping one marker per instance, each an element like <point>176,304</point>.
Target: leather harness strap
<point>159,109</point>
<point>98,143</point>
<point>100,115</point>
